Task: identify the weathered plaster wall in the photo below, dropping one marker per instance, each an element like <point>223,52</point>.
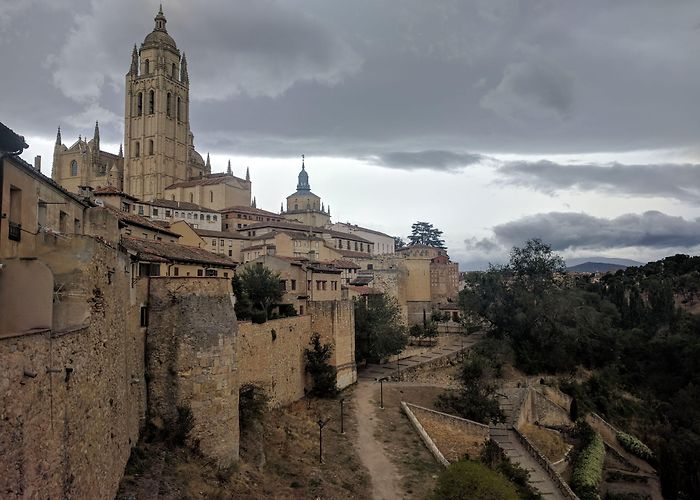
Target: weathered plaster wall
<point>72,400</point>
<point>192,360</point>
<point>334,321</point>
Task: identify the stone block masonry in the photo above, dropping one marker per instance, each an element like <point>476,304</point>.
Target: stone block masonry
<point>191,357</point>
<point>72,399</point>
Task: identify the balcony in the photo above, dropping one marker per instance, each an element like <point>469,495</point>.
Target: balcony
<point>15,231</point>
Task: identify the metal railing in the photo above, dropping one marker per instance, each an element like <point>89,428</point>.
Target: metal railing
<point>15,231</point>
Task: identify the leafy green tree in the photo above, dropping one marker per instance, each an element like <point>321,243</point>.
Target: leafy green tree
<point>468,480</point>
<point>379,329</point>
<point>257,290</point>
<point>423,233</point>
<point>535,265</point>
<point>399,242</point>
<point>318,366</point>
<point>476,399</point>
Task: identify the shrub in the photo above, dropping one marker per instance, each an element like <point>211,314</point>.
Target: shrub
<point>252,402</point>
<point>588,466</point>
<point>317,365</point>
<point>635,446</point>
<point>467,480</point>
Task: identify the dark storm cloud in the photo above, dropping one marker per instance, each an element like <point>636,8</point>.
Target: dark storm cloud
<point>680,182</point>
<point>573,231</point>
<point>430,160</point>
<point>367,77</point>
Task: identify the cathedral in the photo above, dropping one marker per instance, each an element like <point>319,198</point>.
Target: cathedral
<point>304,206</point>
<point>159,161</point>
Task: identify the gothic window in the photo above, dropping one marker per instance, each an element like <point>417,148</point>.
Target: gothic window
<point>191,197</point>
<point>172,197</point>
<point>151,102</point>
<point>168,112</point>
<point>179,109</point>
<point>147,66</point>
<point>174,71</point>
<point>137,149</point>
<point>296,206</point>
<point>73,168</point>
<point>211,196</point>
<point>150,146</point>
<point>139,104</point>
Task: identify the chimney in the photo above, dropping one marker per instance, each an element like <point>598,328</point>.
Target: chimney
<point>37,163</point>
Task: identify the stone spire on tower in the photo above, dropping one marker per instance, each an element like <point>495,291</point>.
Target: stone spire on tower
<point>303,184</point>
<point>58,136</point>
<point>281,207</point>
<point>134,71</point>
<point>247,174</point>
<point>208,165</point>
<point>255,204</point>
<point>121,151</point>
<point>184,77</point>
<point>228,169</point>
<point>160,20</point>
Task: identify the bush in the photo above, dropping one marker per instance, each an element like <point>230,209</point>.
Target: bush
<point>588,466</point>
<point>635,446</point>
<point>467,480</point>
<point>252,402</point>
<point>317,365</point>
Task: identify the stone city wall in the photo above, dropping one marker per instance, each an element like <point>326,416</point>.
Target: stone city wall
<point>271,356</point>
<point>72,398</point>
<point>334,321</point>
<point>192,361</point>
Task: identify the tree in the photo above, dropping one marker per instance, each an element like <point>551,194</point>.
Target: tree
<point>423,233</point>
<point>379,329</point>
<point>476,399</point>
<point>318,366</point>
<point>257,290</point>
<point>535,265</point>
<point>467,480</point>
<point>399,242</point>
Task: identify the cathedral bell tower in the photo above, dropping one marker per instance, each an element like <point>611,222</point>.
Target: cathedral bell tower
<point>158,144</point>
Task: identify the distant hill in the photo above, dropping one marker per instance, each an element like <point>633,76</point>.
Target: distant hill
<point>596,267</point>
<point>603,260</point>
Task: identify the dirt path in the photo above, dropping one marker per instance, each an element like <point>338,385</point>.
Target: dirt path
<point>386,483</point>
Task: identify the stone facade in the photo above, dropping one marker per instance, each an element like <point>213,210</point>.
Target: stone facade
<point>192,363</point>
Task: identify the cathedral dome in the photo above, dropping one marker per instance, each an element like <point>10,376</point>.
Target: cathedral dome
<point>160,35</point>
<point>303,184</point>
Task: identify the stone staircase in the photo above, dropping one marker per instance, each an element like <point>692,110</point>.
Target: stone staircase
<point>507,439</point>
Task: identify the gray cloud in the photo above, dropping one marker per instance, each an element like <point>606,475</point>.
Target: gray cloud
<point>430,159</point>
<point>573,231</point>
<point>681,182</point>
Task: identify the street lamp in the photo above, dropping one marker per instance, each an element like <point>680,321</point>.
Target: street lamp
<point>381,391</point>
<point>321,424</point>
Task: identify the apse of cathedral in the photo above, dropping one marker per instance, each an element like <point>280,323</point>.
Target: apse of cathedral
<point>159,160</point>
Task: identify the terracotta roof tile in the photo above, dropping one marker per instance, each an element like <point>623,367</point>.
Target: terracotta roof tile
<point>137,220</point>
<point>161,251</point>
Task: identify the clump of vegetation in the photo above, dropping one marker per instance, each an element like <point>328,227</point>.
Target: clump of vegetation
<point>379,329</point>
<point>427,331</point>
<point>634,446</point>
<point>318,366</point>
<point>469,480</point>
<point>476,398</point>
<point>493,456</point>
<point>252,403</point>
<point>588,465</point>
<point>257,290</point>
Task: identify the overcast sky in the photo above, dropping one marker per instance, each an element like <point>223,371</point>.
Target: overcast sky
<point>495,120</point>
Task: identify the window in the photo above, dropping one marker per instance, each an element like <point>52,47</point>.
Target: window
<point>213,243</point>
<point>225,226</point>
<point>15,229</point>
<point>323,284</point>
<point>308,284</point>
<point>294,284</point>
<point>172,197</point>
<point>144,316</point>
<point>283,285</point>
<point>139,104</point>
<point>230,243</point>
<point>370,266</point>
<point>174,71</point>
<point>147,66</point>
<point>63,222</point>
<point>140,209</point>
<point>41,213</point>
<point>211,196</point>
<point>73,168</point>
<point>149,269</point>
<point>201,216</point>
<point>200,272</point>
<point>221,242</point>
<point>167,213</point>
<point>334,285</point>
<point>150,146</point>
<point>211,272</point>
<point>356,246</point>
<point>230,253</point>
<point>215,217</point>
<point>137,149</point>
<point>168,105</point>
<point>191,197</point>
<point>179,109</point>
<point>154,211</point>
<point>296,206</point>
<point>347,244</point>
<point>76,226</point>
<point>151,102</point>
<point>208,218</point>
<point>318,285</point>
<point>176,271</point>
<point>301,310</point>
<point>177,214</point>
<point>189,215</point>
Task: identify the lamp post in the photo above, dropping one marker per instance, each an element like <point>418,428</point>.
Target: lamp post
<point>321,424</point>
<point>381,392</point>
<point>342,429</point>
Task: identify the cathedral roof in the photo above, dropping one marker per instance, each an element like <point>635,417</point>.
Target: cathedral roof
<point>303,184</point>
<point>160,35</point>
<point>207,180</point>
